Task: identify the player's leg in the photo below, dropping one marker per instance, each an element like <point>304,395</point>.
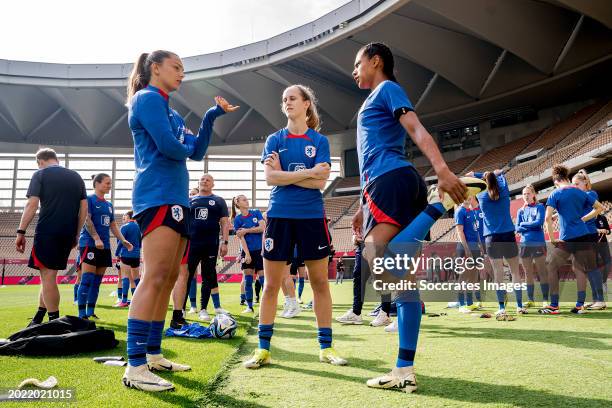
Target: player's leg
<point>178,297</point>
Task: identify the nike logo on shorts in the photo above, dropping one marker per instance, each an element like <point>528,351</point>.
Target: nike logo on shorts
<point>322,247</point>
<point>140,344</point>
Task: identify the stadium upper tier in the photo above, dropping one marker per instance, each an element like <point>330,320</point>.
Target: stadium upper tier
<point>457,60</point>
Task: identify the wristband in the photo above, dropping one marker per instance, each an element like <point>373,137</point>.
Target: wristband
<point>226,242</point>
<point>20,231</point>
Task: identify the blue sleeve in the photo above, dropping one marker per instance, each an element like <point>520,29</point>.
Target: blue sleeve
<point>395,99</point>
<point>119,246</point>
<point>460,217</point>
<point>112,216</point>
<point>591,199</point>
<point>259,215</point>
<point>237,223</point>
<point>205,132</point>
<point>90,206</point>
<point>323,155</point>
<point>503,184</point>
<point>270,146</point>
<point>478,175</point>
<point>151,111</point>
<point>551,201</point>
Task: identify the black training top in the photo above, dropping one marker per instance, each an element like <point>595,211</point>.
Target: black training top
<point>60,191</point>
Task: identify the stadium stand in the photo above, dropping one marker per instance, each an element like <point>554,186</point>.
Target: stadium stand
<point>336,207</point>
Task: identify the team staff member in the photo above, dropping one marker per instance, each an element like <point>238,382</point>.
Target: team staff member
<point>530,226</point>
<point>297,163</point>
<point>249,226</point>
<point>63,208</point>
<point>162,145</point>
<point>94,244</point>
<point>570,202</point>
<point>208,216</point>
<point>130,260</point>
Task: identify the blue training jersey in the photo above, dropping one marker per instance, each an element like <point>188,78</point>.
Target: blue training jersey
<point>162,143</point>
<point>530,222</point>
<point>380,136</point>
<point>297,152</point>
<point>570,203</point>
<point>250,220</point>
<point>205,214</point>
<point>469,219</point>
<point>131,232</point>
<point>496,213</point>
<point>102,214</point>
<point>592,223</point>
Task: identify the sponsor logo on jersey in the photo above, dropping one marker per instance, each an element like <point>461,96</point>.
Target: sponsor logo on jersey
<point>297,166</point>
<point>201,213</point>
<point>105,219</point>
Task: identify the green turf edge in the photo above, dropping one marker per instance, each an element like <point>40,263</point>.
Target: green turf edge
<point>211,398</point>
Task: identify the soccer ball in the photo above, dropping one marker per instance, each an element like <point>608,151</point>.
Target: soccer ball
<point>223,326</point>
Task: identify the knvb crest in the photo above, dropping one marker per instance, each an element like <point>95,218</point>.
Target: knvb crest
<point>177,213</point>
<point>310,151</point>
<point>269,244</point>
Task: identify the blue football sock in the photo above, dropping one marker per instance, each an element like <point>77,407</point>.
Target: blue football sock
<point>581,298</point>
<point>325,337</point>
<point>461,298</point>
<point>76,292</point>
<point>137,337</point>
<point>544,288</point>
<point>126,287</point>
<point>265,335</point>
<point>554,300</point>
<point>300,286</point>
<point>248,290</point>
<point>519,297</point>
<point>216,300</point>
<point>242,297</point>
<point>119,292</point>
<point>477,295</point>
<point>86,282</point>
<point>596,281</point>
<point>294,281</point>
<point>408,325</point>
<point>92,296</point>
<point>501,298</point>
<point>136,282</point>
<point>530,290</point>
<point>468,298</point>
<point>262,280</point>
<point>193,290</point>
<point>155,337</point>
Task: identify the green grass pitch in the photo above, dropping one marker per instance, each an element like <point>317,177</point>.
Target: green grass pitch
<point>462,360</point>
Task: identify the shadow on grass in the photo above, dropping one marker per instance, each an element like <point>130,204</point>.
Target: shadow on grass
<point>485,393</point>
<point>312,332</point>
<point>572,339</point>
<point>281,355</point>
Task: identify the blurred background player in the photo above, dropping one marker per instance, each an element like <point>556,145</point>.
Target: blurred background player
<point>532,247</point>
<point>574,239</point>
<point>499,232</point>
<point>130,260</point>
<point>249,226</point>
<point>94,244</point>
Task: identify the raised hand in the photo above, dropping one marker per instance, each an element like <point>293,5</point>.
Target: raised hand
<point>225,105</point>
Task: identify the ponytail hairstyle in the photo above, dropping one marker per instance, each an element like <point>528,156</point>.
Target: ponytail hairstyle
<point>313,121</point>
<point>584,177</point>
<point>130,214</point>
<point>532,190</point>
<point>385,55</point>
<point>492,185</point>
<point>235,209</point>
<point>141,72</point>
<point>560,173</point>
<point>98,178</point>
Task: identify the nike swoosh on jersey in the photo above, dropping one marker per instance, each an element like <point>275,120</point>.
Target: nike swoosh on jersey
<point>283,150</point>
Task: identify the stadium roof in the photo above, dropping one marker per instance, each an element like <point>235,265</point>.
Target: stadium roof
<point>456,59</point>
